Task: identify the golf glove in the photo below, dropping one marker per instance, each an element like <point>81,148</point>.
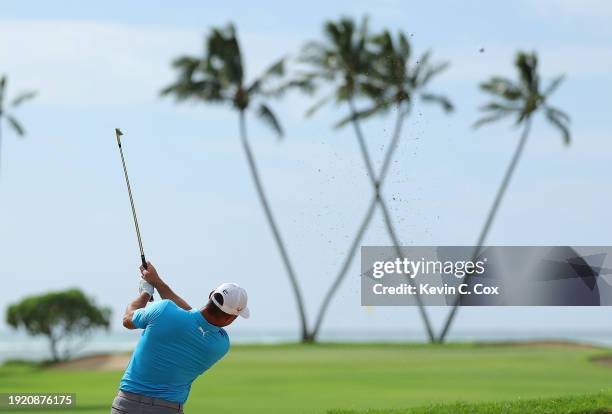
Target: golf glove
<point>145,286</point>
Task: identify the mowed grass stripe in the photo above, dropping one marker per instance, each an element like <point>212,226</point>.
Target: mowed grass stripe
<point>318,378</point>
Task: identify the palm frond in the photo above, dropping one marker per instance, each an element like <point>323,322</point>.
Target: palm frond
<point>2,89</point>
<point>553,85</point>
<point>304,85</point>
<point>187,65</point>
<point>524,97</point>
<point>316,54</point>
<point>208,78</point>
<point>372,90</point>
<point>265,114</point>
<point>554,119</point>
<point>441,100</point>
<point>497,106</point>
<point>255,87</point>
<point>332,32</point>
<point>490,118</point>
<point>382,40</point>
<point>23,97</point>
<point>205,90</point>
<point>523,116</point>
<point>16,125</point>
<point>527,65</point>
<point>403,47</point>
<point>344,92</point>
<point>224,57</point>
<point>277,69</point>
<point>184,87</point>
<point>319,104</point>
<point>502,87</point>
<point>559,114</point>
<point>431,72</point>
<point>420,67</point>
<point>362,114</point>
<point>363,34</point>
<point>343,55</point>
<point>318,75</point>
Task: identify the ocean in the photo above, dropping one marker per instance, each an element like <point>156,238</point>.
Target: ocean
<point>20,346</point>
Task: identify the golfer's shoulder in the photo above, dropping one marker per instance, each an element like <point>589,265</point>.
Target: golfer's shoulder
<point>163,305</point>
<point>214,342</point>
<point>166,303</point>
<point>224,341</point>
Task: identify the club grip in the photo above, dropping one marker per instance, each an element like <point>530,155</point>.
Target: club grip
<point>144,264</point>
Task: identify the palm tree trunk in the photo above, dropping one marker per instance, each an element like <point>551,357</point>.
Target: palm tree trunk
<point>362,228</point>
<point>365,154</point>
<point>344,269</point>
<point>492,212</point>
<point>272,222</point>
<point>377,199</point>
<point>383,205</point>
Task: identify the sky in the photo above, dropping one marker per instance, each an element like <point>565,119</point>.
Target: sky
<point>64,212</point>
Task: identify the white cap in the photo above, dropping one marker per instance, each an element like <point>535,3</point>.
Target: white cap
<point>234,300</point>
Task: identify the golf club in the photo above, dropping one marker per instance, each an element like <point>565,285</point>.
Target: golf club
<point>118,134</point>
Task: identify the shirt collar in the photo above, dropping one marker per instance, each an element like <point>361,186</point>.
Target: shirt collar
<point>201,320</point>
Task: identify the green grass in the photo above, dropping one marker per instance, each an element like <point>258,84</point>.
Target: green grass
<point>315,379</point>
<point>582,404</point>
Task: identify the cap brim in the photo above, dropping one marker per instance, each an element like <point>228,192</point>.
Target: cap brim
<point>245,313</point>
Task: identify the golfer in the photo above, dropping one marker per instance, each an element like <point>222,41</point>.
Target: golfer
<point>178,344</point>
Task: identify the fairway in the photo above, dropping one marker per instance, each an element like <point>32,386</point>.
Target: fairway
<point>317,378</point>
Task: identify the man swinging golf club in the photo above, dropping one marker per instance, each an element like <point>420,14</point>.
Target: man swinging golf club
<point>178,344</point>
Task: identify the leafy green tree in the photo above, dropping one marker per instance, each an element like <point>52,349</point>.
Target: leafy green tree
<point>218,78</point>
<point>376,69</point>
<point>62,317</point>
<point>522,99</point>
<point>7,116</point>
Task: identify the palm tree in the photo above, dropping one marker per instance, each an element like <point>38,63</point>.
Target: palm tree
<point>4,115</point>
<point>522,99</point>
<point>378,69</point>
<point>218,77</point>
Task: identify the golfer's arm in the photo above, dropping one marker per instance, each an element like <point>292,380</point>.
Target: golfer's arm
<point>138,303</point>
<point>166,293</point>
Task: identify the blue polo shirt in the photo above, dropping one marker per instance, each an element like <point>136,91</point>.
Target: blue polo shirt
<point>175,348</point>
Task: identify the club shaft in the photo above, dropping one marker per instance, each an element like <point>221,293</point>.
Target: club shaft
<point>129,188</point>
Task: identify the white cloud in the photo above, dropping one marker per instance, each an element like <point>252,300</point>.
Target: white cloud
<point>91,64</point>
<point>100,65</point>
<point>88,63</point>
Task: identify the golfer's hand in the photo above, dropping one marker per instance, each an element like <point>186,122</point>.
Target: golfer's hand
<point>150,274</point>
<point>145,286</point>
